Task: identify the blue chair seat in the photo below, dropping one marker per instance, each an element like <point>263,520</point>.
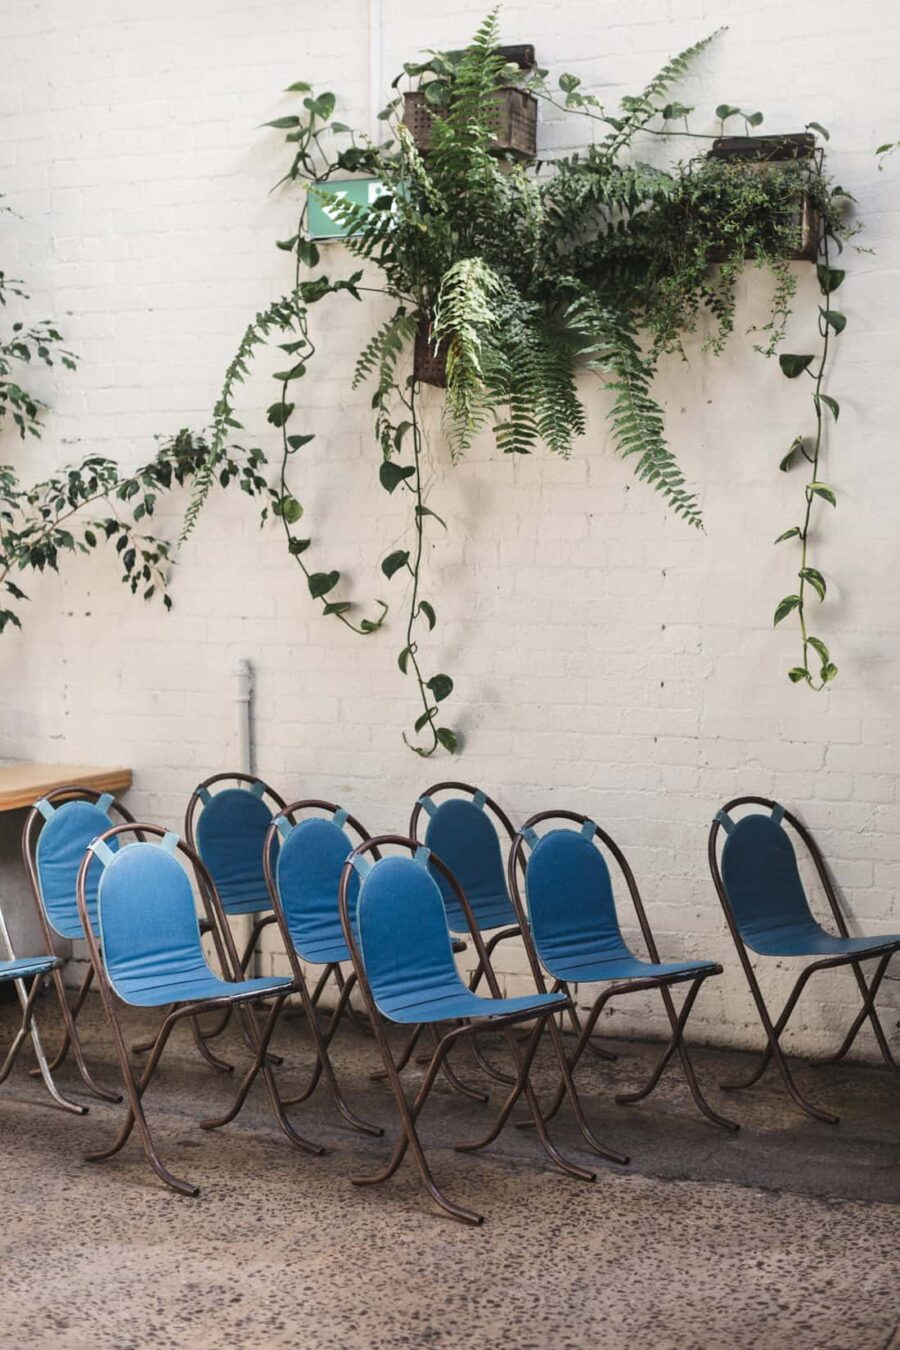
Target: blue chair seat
<point>597,967</point>
<point>23,966</point>
<point>811,940</point>
<point>458,1002</point>
<point>155,991</point>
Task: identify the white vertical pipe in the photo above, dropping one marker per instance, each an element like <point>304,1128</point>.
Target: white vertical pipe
<point>243,762</point>
<point>375,18</point>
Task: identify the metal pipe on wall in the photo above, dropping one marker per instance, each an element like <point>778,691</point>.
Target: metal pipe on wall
<point>243,762</point>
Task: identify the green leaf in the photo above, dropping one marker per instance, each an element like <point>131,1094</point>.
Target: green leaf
<point>829,278</point>
<point>823,490</point>
<point>401,430</point>
<point>755,119</point>
<point>448,739</point>
<point>784,607</point>
<point>287,245</point>
<point>320,583</point>
<point>835,320</point>
<point>424,718</point>
<point>792,533</point>
<point>569,83</point>
<point>283,123</point>
<point>403,659</point>
<point>797,674</point>
<point>815,579</point>
<point>426,511</point>
<point>394,561</point>
<point>792,366</point>
<point>428,610</point>
<point>295,442</point>
<point>290,509</point>
<point>817,126</point>
<point>725,110</point>
<point>307,252</point>
<point>279,413</point>
<point>831,403</point>
<point>298,546</point>
<point>14,591</point>
<point>792,455</point>
<point>294,373</point>
<point>829,672</point>
<point>336,607</point>
<point>391,474</point>
<point>441,686</point>
<point>819,646</point>
<point>298,87</point>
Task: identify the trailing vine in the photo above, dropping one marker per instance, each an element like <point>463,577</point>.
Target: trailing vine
<point>516,275</point>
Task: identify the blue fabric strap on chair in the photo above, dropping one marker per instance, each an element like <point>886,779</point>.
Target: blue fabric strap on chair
<point>258,787</point>
<point>169,841</point>
<point>340,817</point>
<point>724,819</point>
<point>530,835</point>
<point>205,795</point>
<point>428,806</point>
<point>283,825</point>
<point>46,808</point>
<point>105,801</point>
<point>361,866</point>
<point>479,799</point>
<point>777,813</point>
<point>588,829</point>
<point>102,851</point>
<point>423,856</point>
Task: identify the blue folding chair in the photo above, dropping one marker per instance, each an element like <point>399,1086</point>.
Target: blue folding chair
<point>18,970</point>
<point>403,958</point>
<point>148,953</point>
<point>55,836</point>
<point>572,930</point>
<point>759,885</point>
<point>303,878</point>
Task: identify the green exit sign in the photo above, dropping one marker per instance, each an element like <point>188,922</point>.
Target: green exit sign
<point>320,221</point>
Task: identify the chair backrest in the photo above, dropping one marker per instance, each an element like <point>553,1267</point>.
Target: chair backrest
<point>403,934</point>
<point>463,833</point>
<point>229,833</point>
<point>55,837</point>
<point>569,894</point>
<point>307,873</point>
<point>760,875</point>
<point>147,921</point>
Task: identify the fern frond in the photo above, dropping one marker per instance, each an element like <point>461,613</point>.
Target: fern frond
<point>464,317</point>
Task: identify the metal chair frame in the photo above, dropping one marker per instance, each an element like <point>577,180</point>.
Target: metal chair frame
<point>321,1041</point>
<point>409,1112</point>
<point>28,1025</point>
<point>228,957</point>
<point>677,1020</point>
<point>504,933</point>
<point>775,1029</point>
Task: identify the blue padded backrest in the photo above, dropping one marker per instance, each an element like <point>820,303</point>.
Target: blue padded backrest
<point>761,878</point>
<point>308,872</point>
<point>570,898</point>
<point>61,846</point>
<point>403,934</point>
<point>148,923</point>
<point>463,836</point>
<point>231,833</point>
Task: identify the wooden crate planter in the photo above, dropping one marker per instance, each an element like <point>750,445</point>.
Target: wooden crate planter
<point>756,152</point>
<point>429,366</point>
<point>516,122</point>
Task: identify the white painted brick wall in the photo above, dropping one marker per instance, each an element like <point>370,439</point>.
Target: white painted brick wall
<point>606,657</point>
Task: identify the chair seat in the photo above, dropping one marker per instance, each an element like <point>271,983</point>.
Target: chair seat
<point>193,986</point>
<point>596,967</point>
<point>23,966</point>
<point>462,1003</point>
<point>811,940</point>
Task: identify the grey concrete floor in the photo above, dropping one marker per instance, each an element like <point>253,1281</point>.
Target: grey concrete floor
<point>787,1235</point>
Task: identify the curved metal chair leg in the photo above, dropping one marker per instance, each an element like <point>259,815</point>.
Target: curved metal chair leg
<point>105,1094</point>
<point>868,1011</point>
<point>599,1050</point>
<point>65,1044</point>
<point>212,1060</point>
<point>27,1000</point>
<point>381,1074</point>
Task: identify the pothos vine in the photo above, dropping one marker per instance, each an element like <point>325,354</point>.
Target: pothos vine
<point>518,274</point>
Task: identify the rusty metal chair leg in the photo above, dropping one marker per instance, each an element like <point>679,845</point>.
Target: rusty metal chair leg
<point>676,1043</point>
<point>868,1011</point>
<point>330,1031</point>
<point>105,1094</point>
<point>599,1050</point>
<point>64,1046</point>
<point>204,1051</point>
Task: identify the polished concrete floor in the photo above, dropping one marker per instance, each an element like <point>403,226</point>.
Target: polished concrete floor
<point>787,1235</point>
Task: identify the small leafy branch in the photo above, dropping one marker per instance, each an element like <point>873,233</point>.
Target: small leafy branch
<point>91,503</point>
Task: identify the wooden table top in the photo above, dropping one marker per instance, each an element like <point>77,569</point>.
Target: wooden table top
<point>22,784</point>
